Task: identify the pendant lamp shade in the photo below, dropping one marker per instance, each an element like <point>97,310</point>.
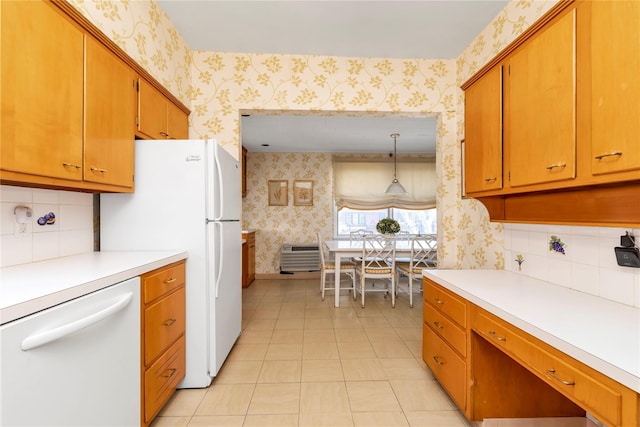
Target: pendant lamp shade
<point>395,187</point>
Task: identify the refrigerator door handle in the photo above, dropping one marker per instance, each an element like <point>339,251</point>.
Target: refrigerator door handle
<point>220,257</point>
<point>219,190</point>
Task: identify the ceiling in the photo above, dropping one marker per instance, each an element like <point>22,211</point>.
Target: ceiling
<point>433,29</point>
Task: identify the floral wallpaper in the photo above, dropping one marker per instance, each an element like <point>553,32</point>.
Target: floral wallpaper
<point>219,86</point>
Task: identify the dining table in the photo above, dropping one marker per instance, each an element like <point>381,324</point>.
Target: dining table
<point>346,249</point>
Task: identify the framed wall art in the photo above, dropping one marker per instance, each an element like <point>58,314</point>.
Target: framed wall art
<point>302,193</point>
<point>278,192</point>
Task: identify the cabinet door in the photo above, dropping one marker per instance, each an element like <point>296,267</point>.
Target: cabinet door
<point>541,106</point>
<point>42,75</point>
<point>109,118</point>
<point>615,86</point>
<point>177,122</point>
<point>483,133</point>
<point>152,111</point>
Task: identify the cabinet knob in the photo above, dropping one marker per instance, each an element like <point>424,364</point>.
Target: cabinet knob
<point>438,361</point>
<point>438,325</point>
<point>169,322</point>
<point>613,153</point>
<point>552,373</point>
<point>169,373</point>
<point>494,335</point>
<point>557,165</point>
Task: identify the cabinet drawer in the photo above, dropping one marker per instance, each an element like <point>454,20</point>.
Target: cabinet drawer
<point>164,322</point>
<point>162,281</point>
<point>581,387</point>
<point>446,329</point>
<point>162,378</point>
<point>446,302</point>
<point>446,365</point>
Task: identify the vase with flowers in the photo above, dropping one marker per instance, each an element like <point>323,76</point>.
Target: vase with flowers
<point>388,226</point>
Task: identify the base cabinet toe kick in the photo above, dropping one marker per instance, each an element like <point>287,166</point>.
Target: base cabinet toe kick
<point>492,369</point>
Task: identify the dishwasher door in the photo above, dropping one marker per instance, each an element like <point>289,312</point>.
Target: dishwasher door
<point>75,364</point>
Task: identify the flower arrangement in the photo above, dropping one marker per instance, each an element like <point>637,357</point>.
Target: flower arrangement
<point>388,226</point>
<point>519,260</point>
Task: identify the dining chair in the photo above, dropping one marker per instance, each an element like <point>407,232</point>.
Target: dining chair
<point>357,236</point>
<point>423,256</point>
<point>328,267</point>
<point>378,263</point>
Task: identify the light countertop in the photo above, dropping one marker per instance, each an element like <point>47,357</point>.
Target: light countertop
<point>601,333</point>
<point>28,288</point>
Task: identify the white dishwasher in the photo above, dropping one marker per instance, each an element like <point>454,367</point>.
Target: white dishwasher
<point>75,364</point>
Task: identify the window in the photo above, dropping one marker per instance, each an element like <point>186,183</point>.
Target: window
<point>413,221</point>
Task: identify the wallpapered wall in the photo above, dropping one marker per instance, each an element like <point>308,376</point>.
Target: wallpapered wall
<point>217,86</point>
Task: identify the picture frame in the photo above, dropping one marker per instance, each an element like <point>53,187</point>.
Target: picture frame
<point>303,193</point>
<point>278,191</point>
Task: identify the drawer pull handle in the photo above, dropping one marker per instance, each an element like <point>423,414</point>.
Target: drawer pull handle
<point>438,325</point>
<point>557,165</point>
<point>70,165</point>
<point>552,373</point>
<point>170,374</point>
<point>164,134</point>
<point>438,361</point>
<point>171,280</point>
<point>489,180</point>
<point>494,335</point>
<point>438,300</point>
<point>613,153</point>
<point>169,322</point>
<point>98,170</point>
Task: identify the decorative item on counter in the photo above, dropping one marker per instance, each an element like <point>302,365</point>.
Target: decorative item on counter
<point>557,245</point>
<point>388,226</point>
<point>49,219</point>
<point>519,260</point>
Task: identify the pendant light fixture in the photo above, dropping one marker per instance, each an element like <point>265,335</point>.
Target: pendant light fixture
<point>395,187</point>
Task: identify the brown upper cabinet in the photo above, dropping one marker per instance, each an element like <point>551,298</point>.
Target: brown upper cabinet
<point>614,91</point>
<point>483,130</point>
<point>158,117</point>
<point>570,89</point>
<point>540,103</point>
<point>569,117</point>
<point>109,118</point>
<point>67,104</point>
<point>42,94</point>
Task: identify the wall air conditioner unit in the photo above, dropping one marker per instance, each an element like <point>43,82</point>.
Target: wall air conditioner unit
<point>299,257</point>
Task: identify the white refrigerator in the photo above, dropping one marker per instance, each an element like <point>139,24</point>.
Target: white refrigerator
<point>188,197</point>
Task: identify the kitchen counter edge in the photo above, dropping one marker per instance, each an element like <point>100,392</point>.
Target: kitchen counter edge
<point>29,288</point>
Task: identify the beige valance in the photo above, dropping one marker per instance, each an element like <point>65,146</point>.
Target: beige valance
<point>361,184</point>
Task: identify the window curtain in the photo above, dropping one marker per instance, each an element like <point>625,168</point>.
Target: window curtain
<point>361,184</point>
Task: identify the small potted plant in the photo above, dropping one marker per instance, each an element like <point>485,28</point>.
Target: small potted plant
<point>388,226</point>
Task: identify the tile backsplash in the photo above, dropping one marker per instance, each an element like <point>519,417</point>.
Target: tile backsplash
<point>588,264</point>
<point>70,234</point>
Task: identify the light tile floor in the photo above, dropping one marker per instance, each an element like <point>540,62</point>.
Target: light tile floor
<point>302,362</point>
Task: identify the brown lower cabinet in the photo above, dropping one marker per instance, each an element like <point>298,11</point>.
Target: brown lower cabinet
<point>492,369</point>
<point>248,258</point>
<point>163,337</point>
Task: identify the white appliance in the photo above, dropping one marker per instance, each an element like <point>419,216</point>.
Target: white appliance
<point>75,364</point>
<point>187,197</point>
